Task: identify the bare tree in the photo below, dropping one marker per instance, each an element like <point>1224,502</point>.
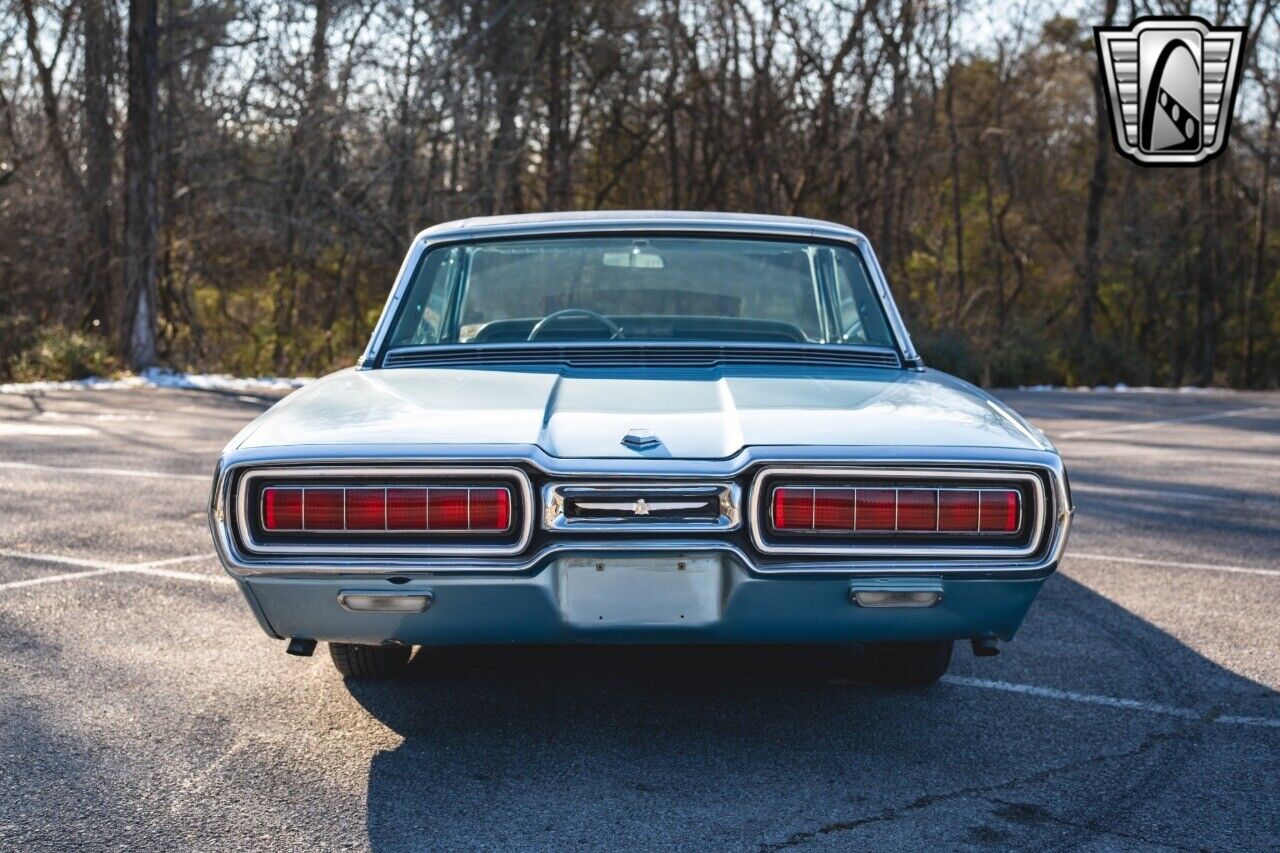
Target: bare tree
<point>141,206</point>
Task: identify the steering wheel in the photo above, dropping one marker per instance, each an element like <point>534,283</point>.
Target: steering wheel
<point>615,331</point>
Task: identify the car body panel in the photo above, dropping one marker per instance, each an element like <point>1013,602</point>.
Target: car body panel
<point>695,414</point>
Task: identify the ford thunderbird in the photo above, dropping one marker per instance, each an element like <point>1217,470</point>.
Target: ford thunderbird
<point>641,428</point>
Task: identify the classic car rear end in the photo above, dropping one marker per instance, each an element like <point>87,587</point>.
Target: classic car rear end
<point>641,428</point>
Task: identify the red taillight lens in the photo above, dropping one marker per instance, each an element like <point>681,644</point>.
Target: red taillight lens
<point>490,509</point>
<point>892,510</point>
<point>917,509</point>
<point>366,509</point>
<point>406,509</point>
<point>447,509</point>
<point>282,509</point>
<point>475,509</point>
<point>877,509</point>
<point>999,511</point>
<point>958,510</point>
<point>833,509</point>
<point>793,509</point>
<point>323,509</point>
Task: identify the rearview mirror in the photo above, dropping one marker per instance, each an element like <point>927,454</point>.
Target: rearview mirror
<point>635,259</point>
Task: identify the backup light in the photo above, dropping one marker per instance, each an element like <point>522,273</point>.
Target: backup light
<point>896,597</point>
<point>384,602</point>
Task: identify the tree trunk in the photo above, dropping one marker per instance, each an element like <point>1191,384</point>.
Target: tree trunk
<point>1092,272</point>
<point>140,191</point>
<point>956,212</point>
<point>557,112</point>
<point>1207,276</point>
<point>1254,285</point>
<point>99,148</point>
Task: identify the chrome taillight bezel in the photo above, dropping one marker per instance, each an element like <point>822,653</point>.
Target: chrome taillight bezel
<point>889,544</point>
<point>469,530</point>
<point>392,543</point>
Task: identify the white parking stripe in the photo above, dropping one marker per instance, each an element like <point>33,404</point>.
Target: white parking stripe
<point>110,472</point>
<point>1108,701</point>
<point>153,568</point>
<point>1230,413</point>
<point>61,560</point>
<point>67,576</point>
<point>172,561</point>
<point>179,576</point>
<point>28,428</point>
<point>1174,564</point>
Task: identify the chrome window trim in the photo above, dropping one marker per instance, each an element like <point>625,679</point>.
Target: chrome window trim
<point>759,486</point>
<point>339,472</point>
<point>553,517</point>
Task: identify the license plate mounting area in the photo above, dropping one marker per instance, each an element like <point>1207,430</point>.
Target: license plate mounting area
<point>640,592</point>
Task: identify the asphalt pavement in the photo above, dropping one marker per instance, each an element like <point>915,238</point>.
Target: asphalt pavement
<point>142,708</point>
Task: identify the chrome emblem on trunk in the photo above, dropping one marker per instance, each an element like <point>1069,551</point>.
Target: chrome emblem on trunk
<point>640,439</point>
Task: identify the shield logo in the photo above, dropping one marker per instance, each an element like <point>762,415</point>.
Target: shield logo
<point>1171,87</point>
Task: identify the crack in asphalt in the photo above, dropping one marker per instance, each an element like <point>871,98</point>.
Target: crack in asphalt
<point>796,839</point>
<point>1031,814</point>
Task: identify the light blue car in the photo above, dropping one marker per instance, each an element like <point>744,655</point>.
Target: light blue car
<point>641,428</point>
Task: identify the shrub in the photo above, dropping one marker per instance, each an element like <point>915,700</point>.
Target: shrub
<point>948,352</point>
<point>57,353</point>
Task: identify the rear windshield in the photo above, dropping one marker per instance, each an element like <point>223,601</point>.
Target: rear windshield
<point>704,289</point>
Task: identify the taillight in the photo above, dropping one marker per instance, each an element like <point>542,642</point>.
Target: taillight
<point>882,509</point>
<point>474,509</point>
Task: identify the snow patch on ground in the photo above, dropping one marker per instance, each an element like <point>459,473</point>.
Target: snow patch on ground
<point>1121,388</point>
<point>158,378</point>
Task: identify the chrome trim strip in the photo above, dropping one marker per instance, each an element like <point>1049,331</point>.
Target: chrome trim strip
<point>385,548</point>
<point>385,528</point>
<point>727,495</point>
<point>846,473</point>
<point>937,512</point>
<point>624,506</point>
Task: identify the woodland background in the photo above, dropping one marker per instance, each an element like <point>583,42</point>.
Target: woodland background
<point>231,184</point>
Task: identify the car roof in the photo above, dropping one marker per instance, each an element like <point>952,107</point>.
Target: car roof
<point>634,220</point>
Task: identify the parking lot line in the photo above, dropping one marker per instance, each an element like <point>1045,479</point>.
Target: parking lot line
<point>66,576</point>
<point>82,562</point>
<point>1109,701</point>
<point>179,576</point>
<point>1174,564</point>
<point>154,568</point>
<point>1230,413</point>
<point>111,472</point>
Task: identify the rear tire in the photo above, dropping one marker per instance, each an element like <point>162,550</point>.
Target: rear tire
<point>906,664</point>
<point>359,661</point>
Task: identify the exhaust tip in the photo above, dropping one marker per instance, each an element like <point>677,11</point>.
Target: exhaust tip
<point>301,647</point>
<point>985,647</point>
